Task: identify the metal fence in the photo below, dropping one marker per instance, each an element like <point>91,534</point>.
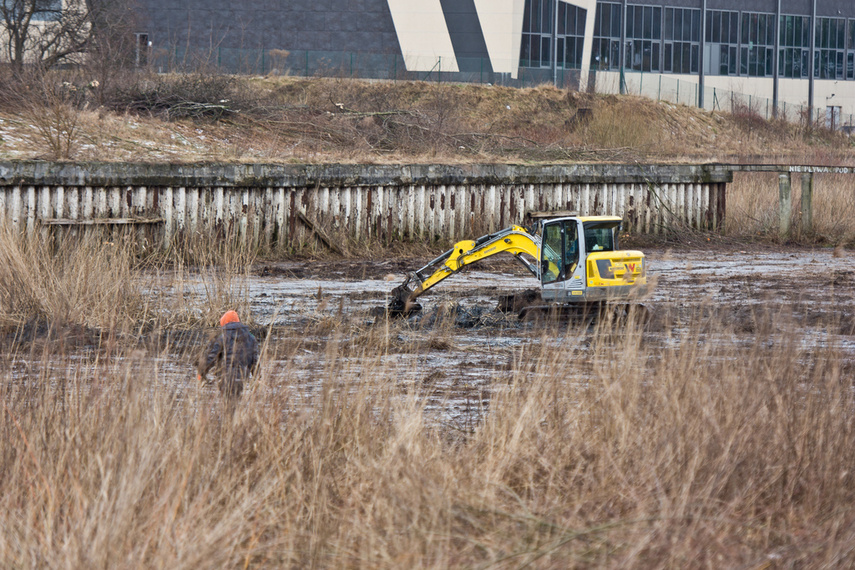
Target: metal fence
<point>307,63</point>
<point>674,90</point>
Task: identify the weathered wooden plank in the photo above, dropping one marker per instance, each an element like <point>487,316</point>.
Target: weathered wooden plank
<point>101,221</point>
<point>31,209</point>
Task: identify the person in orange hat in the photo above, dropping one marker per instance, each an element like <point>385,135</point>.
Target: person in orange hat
<point>235,350</point>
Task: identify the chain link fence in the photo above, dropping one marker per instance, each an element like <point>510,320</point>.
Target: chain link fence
<point>674,90</point>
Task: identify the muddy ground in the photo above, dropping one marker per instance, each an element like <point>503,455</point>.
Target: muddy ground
<point>314,318</point>
<point>814,287</point>
<point>456,350</point>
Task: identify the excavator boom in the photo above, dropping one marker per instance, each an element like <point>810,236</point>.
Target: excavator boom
<point>514,240</point>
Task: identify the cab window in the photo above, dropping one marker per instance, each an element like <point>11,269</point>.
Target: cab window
<point>571,248</point>
<point>600,236</point>
<point>552,265</point>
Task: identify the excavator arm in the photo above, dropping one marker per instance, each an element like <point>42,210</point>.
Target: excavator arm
<point>514,240</point>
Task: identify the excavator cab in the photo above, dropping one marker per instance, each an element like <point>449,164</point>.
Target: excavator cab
<point>600,236</point>
<point>581,261</point>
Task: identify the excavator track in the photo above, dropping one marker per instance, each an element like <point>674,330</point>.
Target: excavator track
<point>619,313</point>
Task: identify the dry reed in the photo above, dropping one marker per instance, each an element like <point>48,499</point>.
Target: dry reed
<point>753,210</point>
<point>603,447</point>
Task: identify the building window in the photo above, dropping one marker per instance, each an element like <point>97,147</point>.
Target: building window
<point>607,25</point>
<point>682,40</point>
<point>757,44</point>
<point>538,29</point>
<point>830,54</point>
<point>530,49</point>
<point>571,35</point>
<point>722,43</point>
<point>850,54</point>
<point>643,37</point>
<point>794,54</point>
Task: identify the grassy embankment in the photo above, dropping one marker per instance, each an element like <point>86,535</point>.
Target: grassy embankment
<point>209,117</point>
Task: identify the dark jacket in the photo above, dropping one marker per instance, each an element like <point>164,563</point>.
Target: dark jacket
<point>235,349</point>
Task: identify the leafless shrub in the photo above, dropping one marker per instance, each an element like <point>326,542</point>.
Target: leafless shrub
<point>279,58</point>
<point>747,116</point>
<point>51,103</point>
<point>57,120</point>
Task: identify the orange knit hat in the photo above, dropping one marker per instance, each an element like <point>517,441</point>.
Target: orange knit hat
<point>229,317</point>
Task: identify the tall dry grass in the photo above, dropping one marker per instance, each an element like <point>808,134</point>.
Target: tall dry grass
<point>622,124</point>
<point>605,449</point>
<point>85,281</point>
<point>103,281</point>
<point>207,277</point>
<point>753,211</point>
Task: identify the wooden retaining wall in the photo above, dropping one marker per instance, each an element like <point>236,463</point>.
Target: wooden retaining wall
<point>282,206</point>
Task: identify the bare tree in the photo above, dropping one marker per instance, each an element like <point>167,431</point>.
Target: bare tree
<point>113,51</point>
<point>45,32</point>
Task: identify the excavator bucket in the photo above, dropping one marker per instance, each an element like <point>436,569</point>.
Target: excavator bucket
<point>402,303</point>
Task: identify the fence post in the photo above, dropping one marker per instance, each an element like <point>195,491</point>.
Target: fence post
<point>678,92</point>
<point>785,204</point>
<point>807,202</point>
<point>659,95</point>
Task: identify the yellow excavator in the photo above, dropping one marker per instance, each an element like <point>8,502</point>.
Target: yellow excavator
<point>575,258</point>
